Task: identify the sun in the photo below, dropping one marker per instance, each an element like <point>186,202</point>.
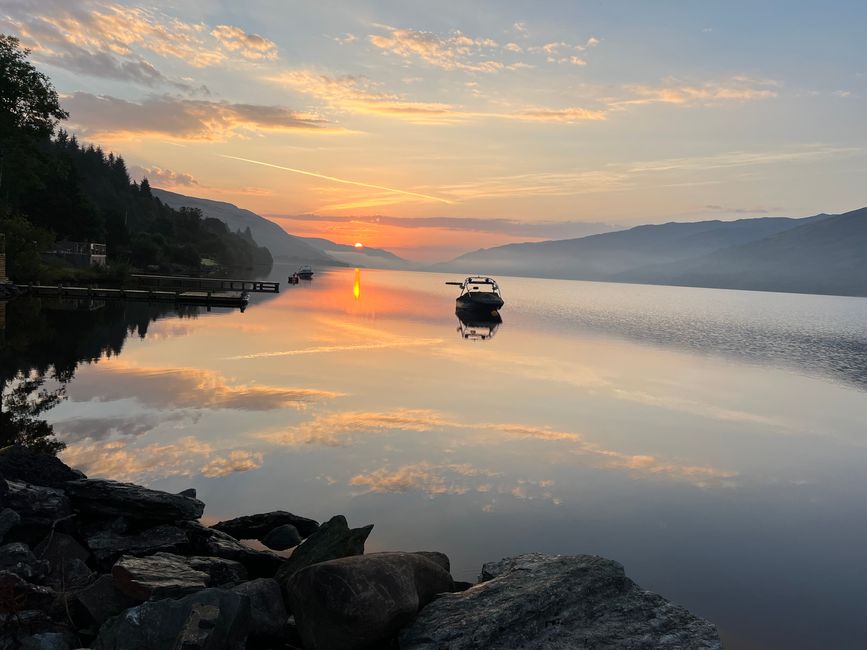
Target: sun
<point>358,244</point>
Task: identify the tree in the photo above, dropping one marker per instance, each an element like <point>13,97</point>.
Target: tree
<point>28,101</point>
<point>24,399</point>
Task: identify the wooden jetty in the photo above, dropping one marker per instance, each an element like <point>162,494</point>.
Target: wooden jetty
<point>206,298</point>
<point>178,282</point>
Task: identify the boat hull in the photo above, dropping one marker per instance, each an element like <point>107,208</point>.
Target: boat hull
<point>479,301</point>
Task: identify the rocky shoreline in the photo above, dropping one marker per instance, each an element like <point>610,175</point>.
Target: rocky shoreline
<point>92,563</point>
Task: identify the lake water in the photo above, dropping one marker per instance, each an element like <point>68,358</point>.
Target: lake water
<point>711,441</point>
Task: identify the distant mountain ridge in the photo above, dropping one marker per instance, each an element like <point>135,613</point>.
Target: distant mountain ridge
<point>283,246</point>
<point>819,254</point>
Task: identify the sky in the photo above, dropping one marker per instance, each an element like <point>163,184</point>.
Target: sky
<point>433,128</point>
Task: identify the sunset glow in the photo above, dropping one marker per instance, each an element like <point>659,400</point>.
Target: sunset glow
<point>437,132</point>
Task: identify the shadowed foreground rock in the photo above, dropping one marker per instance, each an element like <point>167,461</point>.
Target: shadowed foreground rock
<point>334,539</point>
<point>103,497</point>
<point>356,602</point>
<point>258,526</point>
<point>536,602</point>
<point>213,619</point>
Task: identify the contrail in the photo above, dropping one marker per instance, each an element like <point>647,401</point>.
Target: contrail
<point>340,180</point>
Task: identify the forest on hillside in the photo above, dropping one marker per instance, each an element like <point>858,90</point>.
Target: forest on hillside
<point>53,187</point>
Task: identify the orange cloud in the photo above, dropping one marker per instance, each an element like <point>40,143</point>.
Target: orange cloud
<point>672,91</point>
<point>111,118</point>
<point>423,477</point>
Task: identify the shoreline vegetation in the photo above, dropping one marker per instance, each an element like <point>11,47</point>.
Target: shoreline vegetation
<point>54,188</point>
<point>94,563</point>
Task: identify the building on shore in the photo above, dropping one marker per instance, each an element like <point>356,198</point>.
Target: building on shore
<point>80,254</point>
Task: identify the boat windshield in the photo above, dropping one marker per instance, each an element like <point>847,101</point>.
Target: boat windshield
<point>481,285</point>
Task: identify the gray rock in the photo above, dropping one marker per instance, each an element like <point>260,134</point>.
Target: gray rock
<point>35,504</point>
<point>103,497</point>
<point>18,559</point>
<point>159,576</point>
<point>211,542</point>
<point>49,641</point>
<point>213,619</point>
<point>268,613</point>
<point>22,464</point>
<point>356,602</point>
<point>282,538</point>
<point>334,539</point>
<point>556,602</point>
<point>108,545</point>
<point>8,520</point>
<point>220,571</point>
<point>103,599</point>
<point>257,526</point>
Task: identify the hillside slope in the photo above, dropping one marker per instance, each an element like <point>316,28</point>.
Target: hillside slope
<point>598,257</point>
<point>828,256</point>
<point>365,257</point>
<point>283,246</point>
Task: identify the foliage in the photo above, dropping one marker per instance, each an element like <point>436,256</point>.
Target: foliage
<point>24,400</point>
<point>54,187</point>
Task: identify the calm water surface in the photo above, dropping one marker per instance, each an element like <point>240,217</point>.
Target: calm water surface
<point>711,441</point>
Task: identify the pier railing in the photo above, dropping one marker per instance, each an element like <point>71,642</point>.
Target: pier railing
<point>204,284</point>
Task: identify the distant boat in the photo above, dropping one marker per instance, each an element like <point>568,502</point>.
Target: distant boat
<point>479,293</point>
<point>293,279</point>
<point>305,273</point>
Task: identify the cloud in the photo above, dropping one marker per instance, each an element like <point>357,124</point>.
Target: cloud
<point>347,428</point>
<point>237,460</point>
<point>423,477</point>
<point>101,116</point>
<point>77,429</point>
<point>111,40</point>
<point>562,115</point>
<point>453,51</point>
<point>359,95</point>
<point>739,88</point>
<point>187,388</point>
<point>251,46</point>
<point>185,457</point>
<point>157,176</point>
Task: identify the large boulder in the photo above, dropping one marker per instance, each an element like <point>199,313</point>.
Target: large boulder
<point>257,526</point>
<point>541,602</point>
<point>213,619</point>
<point>108,545</point>
<point>159,576</point>
<point>26,596</point>
<point>268,623</point>
<point>110,498</point>
<point>67,561</point>
<point>334,539</point>
<point>356,602</point>
<point>220,571</point>
<point>21,464</point>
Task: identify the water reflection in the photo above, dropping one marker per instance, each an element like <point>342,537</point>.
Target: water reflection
<point>474,325</point>
<point>356,285</point>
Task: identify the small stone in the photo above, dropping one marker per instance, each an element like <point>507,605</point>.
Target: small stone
<point>159,576</point>
<point>8,520</point>
<point>282,538</point>
<point>26,595</point>
<point>211,542</point>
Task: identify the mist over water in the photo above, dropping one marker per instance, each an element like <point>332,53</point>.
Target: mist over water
<point>712,441</point>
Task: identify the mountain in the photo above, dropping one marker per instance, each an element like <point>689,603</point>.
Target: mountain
<point>825,255</point>
<point>600,257</point>
<point>283,246</point>
<point>365,257</point>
